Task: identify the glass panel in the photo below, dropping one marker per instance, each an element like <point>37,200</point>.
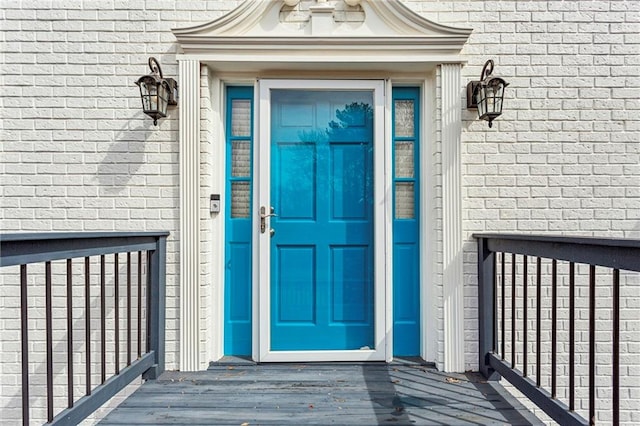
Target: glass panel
<point>144,93</point>
<point>240,199</point>
<point>153,97</point>
<point>240,158</point>
<point>163,98</point>
<point>404,159</point>
<point>322,144</point>
<point>482,106</point>
<point>322,154</point>
<point>491,99</point>
<point>240,117</point>
<point>405,200</point>
<point>404,119</point>
<point>146,103</point>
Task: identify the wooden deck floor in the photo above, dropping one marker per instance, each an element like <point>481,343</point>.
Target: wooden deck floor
<point>319,394</point>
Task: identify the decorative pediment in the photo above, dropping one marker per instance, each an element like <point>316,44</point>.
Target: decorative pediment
<point>337,31</point>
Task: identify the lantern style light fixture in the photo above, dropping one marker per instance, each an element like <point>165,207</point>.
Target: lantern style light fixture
<point>487,94</point>
<point>157,92</point>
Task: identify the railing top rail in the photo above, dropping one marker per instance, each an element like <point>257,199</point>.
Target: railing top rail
<point>34,236</point>
<point>614,253</point>
<point>20,249</point>
<point>560,239</point>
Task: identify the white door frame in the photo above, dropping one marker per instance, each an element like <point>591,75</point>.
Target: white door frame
<point>382,223</point>
<point>253,41</point>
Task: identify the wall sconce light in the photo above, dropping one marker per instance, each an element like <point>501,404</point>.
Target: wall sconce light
<point>157,92</point>
<point>487,94</point>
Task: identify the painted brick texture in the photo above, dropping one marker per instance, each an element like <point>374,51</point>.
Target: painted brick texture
<point>77,153</point>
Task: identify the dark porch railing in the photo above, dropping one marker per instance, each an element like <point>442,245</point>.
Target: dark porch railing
<point>504,272</point>
<point>144,254</point>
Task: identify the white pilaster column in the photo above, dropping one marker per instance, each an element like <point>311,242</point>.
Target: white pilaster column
<point>453,283</point>
<point>189,74</point>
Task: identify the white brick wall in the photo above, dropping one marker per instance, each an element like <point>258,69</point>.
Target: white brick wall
<point>563,158</point>
<point>77,153</point>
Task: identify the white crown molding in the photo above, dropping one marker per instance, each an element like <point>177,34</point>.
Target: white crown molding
<point>254,32</point>
<point>237,22</point>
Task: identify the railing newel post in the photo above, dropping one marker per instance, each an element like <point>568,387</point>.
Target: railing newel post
<point>486,307</point>
<point>156,307</point>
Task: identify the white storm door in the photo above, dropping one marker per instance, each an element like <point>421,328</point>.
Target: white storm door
<point>320,221</point>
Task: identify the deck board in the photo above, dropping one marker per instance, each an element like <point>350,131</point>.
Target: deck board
<point>319,394</point>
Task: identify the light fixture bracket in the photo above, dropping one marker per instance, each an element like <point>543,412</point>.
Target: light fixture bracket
<point>471,89</point>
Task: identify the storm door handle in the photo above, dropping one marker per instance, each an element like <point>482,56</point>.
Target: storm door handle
<point>263,217</point>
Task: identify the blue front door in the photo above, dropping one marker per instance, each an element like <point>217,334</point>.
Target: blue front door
<point>322,251</point>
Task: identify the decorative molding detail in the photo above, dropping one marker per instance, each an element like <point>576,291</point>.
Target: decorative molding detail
<point>322,20</point>
<point>254,33</point>
<point>189,134</point>
<point>248,19</point>
<point>453,282</point>
<point>299,15</point>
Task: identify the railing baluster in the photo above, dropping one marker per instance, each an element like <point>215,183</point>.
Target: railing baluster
<point>87,307</point>
<point>513,311</point>
<point>49,333</point>
<point>554,316</point>
<point>572,333</point>
<point>128,308</point>
<point>69,333</point>
<point>538,317</point>
<point>524,316</point>
<point>24,328</point>
<point>148,304</point>
<point>592,344</point>
<point>502,308</point>
<point>616,347</point>
<point>139,304</point>
<point>117,312</point>
<point>494,324</point>
<point>103,321</point>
